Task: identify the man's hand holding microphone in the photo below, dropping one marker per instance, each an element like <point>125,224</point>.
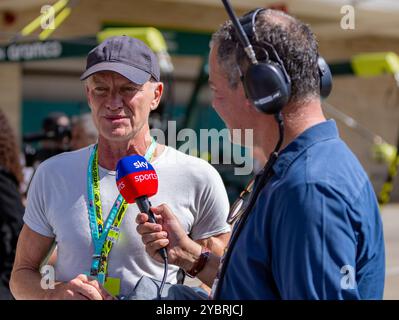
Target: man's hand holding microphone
<point>161,232</point>
<point>167,233</point>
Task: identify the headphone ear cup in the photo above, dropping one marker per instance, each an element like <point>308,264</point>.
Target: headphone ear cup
<point>266,87</point>
<point>325,77</point>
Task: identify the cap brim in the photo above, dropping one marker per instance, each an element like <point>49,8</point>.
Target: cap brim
<point>134,74</point>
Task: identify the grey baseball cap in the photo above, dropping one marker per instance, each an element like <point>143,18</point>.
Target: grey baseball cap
<point>125,55</point>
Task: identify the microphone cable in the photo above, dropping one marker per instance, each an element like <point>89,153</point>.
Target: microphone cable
<point>162,252</point>
<point>165,275</point>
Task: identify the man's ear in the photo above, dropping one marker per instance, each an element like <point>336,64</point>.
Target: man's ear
<point>158,90</point>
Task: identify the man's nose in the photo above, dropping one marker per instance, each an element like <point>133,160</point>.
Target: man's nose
<point>115,102</point>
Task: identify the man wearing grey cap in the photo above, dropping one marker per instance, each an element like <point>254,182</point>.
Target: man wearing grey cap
<point>73,194</point>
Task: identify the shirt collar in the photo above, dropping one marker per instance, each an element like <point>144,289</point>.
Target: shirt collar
<point>317,133</point>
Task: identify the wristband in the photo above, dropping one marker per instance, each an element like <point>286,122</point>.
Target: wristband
<point>200,264</point>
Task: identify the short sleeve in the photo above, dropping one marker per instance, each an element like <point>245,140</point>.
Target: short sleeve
<point>35,213</point>
<point>213,207</point>
<point>314,245</point>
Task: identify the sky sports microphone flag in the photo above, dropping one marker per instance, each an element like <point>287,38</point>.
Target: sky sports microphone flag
<point>137,181</point>
<point>135,178</point>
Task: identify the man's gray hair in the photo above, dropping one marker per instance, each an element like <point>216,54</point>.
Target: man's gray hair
<point>293,40</point>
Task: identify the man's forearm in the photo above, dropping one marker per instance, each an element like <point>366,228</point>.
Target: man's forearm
<point>25,284</point>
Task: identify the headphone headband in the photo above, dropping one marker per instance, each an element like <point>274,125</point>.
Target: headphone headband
<point>248,23</point>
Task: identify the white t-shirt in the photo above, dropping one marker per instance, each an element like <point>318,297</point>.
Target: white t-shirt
<point>57,208</point>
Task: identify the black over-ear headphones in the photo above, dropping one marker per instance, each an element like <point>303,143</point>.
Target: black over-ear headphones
<point>266,82</point>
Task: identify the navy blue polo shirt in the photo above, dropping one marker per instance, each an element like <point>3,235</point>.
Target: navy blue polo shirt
<point>315,231</point>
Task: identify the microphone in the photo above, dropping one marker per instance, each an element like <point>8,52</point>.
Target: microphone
<point>137,180</point>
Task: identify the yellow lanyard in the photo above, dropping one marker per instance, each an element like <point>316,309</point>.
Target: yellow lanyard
<point>104,237</point>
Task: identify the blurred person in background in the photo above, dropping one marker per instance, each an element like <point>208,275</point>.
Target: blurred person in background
<point>11,208</point>
<point>84,132</point>
<point>55,137</point>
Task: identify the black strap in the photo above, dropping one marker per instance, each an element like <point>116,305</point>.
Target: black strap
<point>263,180</point>
<point>268,173</point>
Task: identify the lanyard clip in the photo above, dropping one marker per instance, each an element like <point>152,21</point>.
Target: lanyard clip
<point>94,266</point>
<point>96,257</point>
<point>94,270</point>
